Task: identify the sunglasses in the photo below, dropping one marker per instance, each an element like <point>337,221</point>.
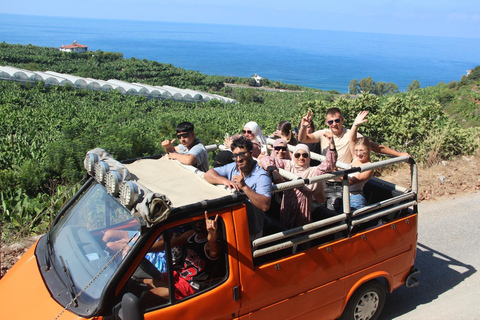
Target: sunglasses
<point>247,131</point>
<point>304,155</point>
<point>280,148</point>
<point>330,122</point>
<point>182,135</point>
<point>240,155</point>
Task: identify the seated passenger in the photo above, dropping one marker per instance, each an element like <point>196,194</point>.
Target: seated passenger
<point>315,146</point>
<point>190,151</point>
<point>360,148</point>
<point>116,240</point>
<point>156,255</point>
<point>296,204</point>
<point>247,176</point>
<point>222,158</point>
<point>252,132</point>
<point>284,131</point>
<point>202,257</point>
<point>280,149</point>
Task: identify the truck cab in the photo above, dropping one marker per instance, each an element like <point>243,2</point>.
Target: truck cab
<point>101,258</point>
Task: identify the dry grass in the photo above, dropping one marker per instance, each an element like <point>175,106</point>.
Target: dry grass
<point>444,179</point>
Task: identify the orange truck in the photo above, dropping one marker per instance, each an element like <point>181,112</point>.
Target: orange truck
<point>115,251</point>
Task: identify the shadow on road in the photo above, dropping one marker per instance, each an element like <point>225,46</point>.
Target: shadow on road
<point>439,273</point>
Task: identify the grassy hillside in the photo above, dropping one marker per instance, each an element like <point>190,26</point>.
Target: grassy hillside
<point>46,131</point>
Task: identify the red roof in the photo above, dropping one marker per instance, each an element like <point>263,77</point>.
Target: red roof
<point>73,46</point>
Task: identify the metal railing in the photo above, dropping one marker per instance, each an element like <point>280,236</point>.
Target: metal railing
<point>345,221</point>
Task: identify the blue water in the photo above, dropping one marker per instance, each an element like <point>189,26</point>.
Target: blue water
<point>326,60</point>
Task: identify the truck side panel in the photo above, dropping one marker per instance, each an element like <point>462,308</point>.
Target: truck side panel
<point>321,279</point>
<point>277,288</point>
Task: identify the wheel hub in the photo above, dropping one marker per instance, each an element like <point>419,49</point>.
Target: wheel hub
<point>366,306</point>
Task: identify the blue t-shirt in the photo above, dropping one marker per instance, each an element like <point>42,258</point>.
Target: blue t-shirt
<point>260,182</point>
<point>198,150</point>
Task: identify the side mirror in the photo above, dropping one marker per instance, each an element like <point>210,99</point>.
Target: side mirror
<point>130,308</point>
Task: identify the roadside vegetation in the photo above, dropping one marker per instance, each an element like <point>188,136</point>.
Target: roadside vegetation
<point>46,131</point>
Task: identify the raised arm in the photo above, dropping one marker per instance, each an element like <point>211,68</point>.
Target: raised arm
<point>212,246</point>
<point>303,136</point>
<point>213,177</point>
<point>380,148</point>
<point>353,131</point>
<point>168,145</point>
<point>188,159</point>
<point>271,165</point>
<point>330,158</point>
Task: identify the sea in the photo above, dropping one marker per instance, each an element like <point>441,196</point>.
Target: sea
<point>326,60</point>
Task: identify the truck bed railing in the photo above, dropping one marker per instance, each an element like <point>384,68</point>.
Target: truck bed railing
<point>299,240</point>
<point>346,222</point>
<point>299,230</point>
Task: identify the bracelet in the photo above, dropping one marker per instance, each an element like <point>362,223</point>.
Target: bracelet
<point>356,125</point>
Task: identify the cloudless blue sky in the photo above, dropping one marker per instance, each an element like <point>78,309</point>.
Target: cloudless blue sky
<point>460,18</point>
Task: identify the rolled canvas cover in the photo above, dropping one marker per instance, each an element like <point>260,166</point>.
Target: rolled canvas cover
<point>168,177</point>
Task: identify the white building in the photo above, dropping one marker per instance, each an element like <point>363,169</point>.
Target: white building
<point>257,79</point>
<point>74,47</point>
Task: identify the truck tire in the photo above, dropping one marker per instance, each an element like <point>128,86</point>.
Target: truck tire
<point>366,303</point>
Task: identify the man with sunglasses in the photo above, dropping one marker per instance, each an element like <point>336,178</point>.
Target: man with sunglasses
<point>334,121</point>
<point>190,151</point>
<point>244,174</point>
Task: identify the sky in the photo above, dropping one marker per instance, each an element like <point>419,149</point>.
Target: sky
<point>446,18</point>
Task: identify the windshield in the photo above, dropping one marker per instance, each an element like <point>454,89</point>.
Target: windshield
<point>79,241</point>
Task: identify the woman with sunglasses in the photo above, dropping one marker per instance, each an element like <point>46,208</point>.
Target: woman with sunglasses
<point>252,132</point>
<point>296,204</point>
<point>280,149</point>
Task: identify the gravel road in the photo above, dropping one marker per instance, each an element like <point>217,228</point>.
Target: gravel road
<point>448,256</point>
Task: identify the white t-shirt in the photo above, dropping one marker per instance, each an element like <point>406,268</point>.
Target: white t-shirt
<point>342,144</point>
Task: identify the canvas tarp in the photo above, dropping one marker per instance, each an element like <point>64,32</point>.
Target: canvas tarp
<point>168,177</point>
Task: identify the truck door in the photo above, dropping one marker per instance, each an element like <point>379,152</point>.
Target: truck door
<point>307,283</point>
<point>204,289</point>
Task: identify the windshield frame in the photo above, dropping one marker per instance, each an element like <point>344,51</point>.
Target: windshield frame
<point>72,254</point>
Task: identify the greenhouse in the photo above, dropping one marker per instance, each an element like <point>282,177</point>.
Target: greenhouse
<point>50,78</point>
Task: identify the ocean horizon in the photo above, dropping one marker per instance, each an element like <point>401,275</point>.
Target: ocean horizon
<point>326,60</point>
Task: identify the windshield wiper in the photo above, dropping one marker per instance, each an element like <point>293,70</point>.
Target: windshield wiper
<point>49,253</point>
<point>71,284</point>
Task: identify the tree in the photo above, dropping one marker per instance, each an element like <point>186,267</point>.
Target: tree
<point>367,85</point>
<point>413,86</point>
<point>391,88</point>
<point>353,87</point>
<point>379,88</point>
